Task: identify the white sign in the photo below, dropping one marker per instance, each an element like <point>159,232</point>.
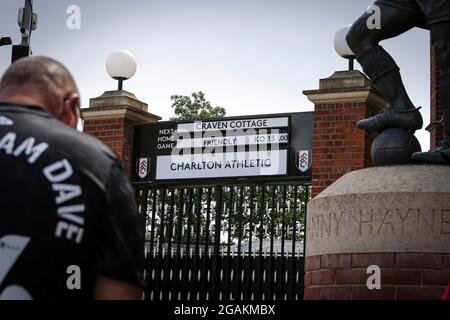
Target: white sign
<point>243,124</point>
<point>222,165</point>
<point>257,139</point>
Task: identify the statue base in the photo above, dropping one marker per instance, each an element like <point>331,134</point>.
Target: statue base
<point>396,218</point>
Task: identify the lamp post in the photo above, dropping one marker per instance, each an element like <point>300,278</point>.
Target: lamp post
<point>27,21</point>
<point>121,66</point>
<point>342,48</point>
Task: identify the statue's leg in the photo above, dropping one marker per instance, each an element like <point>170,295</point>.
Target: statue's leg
<point>382,69</point>
<point>440,38</point>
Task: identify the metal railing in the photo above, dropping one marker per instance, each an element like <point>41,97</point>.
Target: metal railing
<point>224,242</point>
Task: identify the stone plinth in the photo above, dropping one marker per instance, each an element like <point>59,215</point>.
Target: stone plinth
<point>395,217</point>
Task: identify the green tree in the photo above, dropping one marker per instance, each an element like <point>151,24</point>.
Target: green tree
<point>195,107</point>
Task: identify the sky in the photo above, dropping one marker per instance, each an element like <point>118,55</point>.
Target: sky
<point>248,56</point>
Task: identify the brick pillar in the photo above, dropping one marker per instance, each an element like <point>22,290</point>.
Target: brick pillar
<point>111,118</point>
<point>435,129</point>
<point>338,146</point>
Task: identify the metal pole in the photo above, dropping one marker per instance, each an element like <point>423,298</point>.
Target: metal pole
<point>26,28</point>
<point>120,84</point>
<point>351,64</point>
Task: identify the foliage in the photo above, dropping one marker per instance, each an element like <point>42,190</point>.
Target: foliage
<point>195,107</point>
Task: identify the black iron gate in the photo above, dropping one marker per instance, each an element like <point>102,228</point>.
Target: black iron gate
<point>224,242</point>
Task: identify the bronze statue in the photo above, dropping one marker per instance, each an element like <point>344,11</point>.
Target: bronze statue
<point>397,17</point>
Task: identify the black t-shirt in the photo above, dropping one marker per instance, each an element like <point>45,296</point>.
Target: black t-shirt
<point>67,211</point>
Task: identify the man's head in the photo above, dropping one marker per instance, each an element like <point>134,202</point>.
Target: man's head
<point>43,82</point>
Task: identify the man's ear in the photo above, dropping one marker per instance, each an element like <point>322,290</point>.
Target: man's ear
<point>71,113</point>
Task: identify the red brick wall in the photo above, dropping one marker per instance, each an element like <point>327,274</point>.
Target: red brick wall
<point>339,146</point>
<point>404,276</point>
<point>115,133</point>
<point>436,132</point>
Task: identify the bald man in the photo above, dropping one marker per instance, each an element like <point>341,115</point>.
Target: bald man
<point>69,226</point>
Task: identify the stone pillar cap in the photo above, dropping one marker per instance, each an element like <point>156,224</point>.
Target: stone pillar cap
<point>118,98</point>
<point>346,86</point>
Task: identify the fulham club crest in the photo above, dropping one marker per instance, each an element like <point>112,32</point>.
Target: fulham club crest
<point>143,167</point>
<point>303,160</point>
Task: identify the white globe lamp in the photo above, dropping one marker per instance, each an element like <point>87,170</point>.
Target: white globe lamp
<point>341,45</point>
<point>121,65</point>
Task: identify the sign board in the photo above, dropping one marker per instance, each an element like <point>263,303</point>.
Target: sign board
<point>262,147</point>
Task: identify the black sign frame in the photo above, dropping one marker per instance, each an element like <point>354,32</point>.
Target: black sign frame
<point>300,133</point>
